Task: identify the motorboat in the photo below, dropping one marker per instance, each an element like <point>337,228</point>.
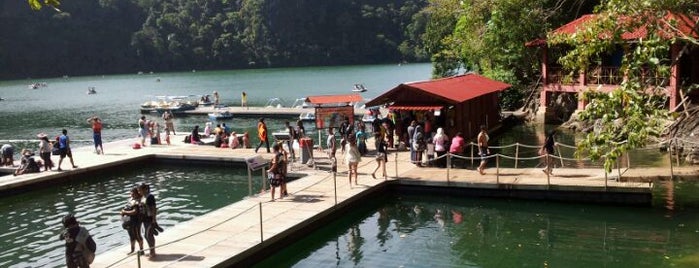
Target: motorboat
<point>173,104</point>
<point>205,100</point>
<point>307,116</point>
<point>301,103</point>
<point>359,88</point>
<point>274,103</point>
<point>220,115</point>
<point>91,90</point>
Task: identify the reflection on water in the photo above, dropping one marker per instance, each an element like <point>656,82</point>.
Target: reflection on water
<point>32,221</point>
<point>424,231</point>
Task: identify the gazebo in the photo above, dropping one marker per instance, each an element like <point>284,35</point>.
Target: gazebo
<point>458,104</point>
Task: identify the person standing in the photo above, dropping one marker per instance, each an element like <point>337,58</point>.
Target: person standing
<point>548,149</point>
<point>217,99</point>
<point>457,146</point>
<point>381,154</point>
<point>169,126</point>
<point>262,134</point>
<point>45,151</point>
<point>411,133</point>
<point>419,144</point>
<point>64,149</point>
<point>300,130</point>
<point>149,217</point>
<point>290,141</point>
<point>96,133</point>
<point>143,129</point>
<point>483,150</point>
<point>277,171</point>
<point>361,137</point>
<point>331,143</point>
<point>440,141</point>
<point>80,247</point>
<point>244,100</point>
<point>132,224</point>
<point>352,158</point>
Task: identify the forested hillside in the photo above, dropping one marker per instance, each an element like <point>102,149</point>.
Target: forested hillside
<point>124,36</point>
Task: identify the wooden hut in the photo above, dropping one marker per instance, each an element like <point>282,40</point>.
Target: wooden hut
<point>458,104</point>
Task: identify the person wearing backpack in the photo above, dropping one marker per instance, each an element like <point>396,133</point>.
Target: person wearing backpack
<point>150,224</point>
<point>80,247</point>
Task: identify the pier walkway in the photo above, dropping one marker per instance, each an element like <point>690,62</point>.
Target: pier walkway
<point>245,230</point>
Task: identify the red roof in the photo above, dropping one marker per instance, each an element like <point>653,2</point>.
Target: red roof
<point>460,88</point>
<point>450,90</point>
<point>684,26</point>
<point>415,108</point>
<point>327,99</point>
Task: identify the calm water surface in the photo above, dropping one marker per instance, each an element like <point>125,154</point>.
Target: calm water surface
<point>32,221</point>
<point>428,231</point>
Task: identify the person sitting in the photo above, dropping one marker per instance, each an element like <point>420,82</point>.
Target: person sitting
<point>194,138</point>
<point>233,140</point>
<point>27,164</point>
<point>218,139</point>
<point>207,129</point>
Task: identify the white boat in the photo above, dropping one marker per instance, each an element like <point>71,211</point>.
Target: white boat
<point>307,116</point>
<point>301,103</point>
<point>359,88</point>
<point>220,115</point>
<point>274,103</point>
<point>91,90</point>
<point>173,104</point>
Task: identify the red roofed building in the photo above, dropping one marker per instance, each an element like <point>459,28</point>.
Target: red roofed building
<point>606,76</point>
<point>458,103</point>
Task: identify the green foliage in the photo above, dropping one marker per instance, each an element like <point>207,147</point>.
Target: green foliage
<point>627,117</point>
<point>163,35</point>
<point>37,4</point>
<point>489,36</point>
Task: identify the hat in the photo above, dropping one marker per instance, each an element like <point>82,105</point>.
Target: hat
<point>41,135</point>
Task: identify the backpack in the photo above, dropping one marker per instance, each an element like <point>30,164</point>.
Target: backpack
<point>87,244</point>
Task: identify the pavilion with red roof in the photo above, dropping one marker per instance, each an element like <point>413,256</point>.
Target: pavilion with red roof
<point>458,103</point>
<point>607,75</point>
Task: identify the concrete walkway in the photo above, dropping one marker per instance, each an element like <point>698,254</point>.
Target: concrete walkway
<point>234,232</point>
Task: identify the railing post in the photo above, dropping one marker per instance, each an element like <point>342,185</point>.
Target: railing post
<point>618,168</point>
<point>249,182</point>
<point>558,148</point>
<point>264,181</point>
<point>548,168</point>
<point>261,237</point>
<point>606,179</point>
<point>395,157</point>
<point>628,161</point>
<point>471,145</point>
<point>497,168</point>
<point>669,151</point>
<point>138,258</point>
<point>334,170</point>
<point>516,154</point>
<point>448,165</point>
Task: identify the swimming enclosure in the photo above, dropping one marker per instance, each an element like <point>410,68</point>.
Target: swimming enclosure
<point>183,191</point>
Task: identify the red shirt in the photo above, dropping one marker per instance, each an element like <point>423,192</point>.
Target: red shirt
<point>96,126</point>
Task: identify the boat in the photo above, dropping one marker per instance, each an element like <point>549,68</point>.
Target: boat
<point>307,116</point>
<point>220,115</point>
<point>359,88</point>
<point>173,104</point>
<point>274,103</point>
<point>301,103</point>
<point>91,90</point>
<point>205,100</point>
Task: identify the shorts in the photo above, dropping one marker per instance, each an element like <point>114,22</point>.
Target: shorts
<point>97,137</point>
<point>142,132</point>
<point>63,152</point>
<point>381,157</point>
<point>275,179</point>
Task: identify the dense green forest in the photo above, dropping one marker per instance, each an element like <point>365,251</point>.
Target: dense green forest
<point>123,36</point>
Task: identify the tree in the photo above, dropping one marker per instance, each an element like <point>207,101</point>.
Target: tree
<point>633,113</point>
<point>37,4</point>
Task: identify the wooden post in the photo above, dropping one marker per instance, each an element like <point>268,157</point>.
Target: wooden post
<point>471,146</point>
<point>606,179</point>
<point>548,174</point>
<point>618,169</point>
<point>396,163</point>
<point>516,154</point>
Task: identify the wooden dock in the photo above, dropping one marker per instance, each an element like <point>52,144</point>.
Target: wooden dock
<point>245,230</point>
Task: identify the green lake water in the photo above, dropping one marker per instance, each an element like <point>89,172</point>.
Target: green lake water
<point>429,231</point>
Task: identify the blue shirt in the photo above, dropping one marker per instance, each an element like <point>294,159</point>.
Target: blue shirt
<point>63,141</point>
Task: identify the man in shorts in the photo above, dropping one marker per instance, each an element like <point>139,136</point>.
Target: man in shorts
<point>64,149</point>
